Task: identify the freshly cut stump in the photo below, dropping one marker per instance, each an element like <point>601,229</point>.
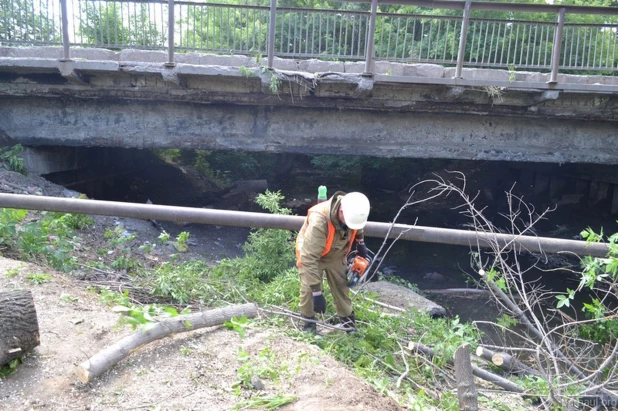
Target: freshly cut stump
<point>19,325</point>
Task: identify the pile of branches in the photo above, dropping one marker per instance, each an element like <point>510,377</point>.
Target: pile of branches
<point>550,347</point>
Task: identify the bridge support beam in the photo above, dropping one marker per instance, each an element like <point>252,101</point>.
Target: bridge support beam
<point>152,124</point>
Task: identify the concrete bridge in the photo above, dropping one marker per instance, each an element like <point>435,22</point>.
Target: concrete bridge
<point>132,99</point>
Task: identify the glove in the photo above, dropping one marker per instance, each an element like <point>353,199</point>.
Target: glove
<point>361,248</point>
<point>319,303</point>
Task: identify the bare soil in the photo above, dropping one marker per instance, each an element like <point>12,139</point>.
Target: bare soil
<point>189,371</point>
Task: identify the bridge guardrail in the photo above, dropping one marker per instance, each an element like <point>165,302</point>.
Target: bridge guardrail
<point>468,34</point>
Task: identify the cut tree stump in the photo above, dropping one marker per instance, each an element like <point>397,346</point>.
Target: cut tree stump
<point>108,357</point>
<point>19,325</point>
<point>466,390</point>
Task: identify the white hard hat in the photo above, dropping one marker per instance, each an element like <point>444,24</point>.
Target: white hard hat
<point>355,208</point>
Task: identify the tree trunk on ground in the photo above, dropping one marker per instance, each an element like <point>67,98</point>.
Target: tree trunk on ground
<point>19,326</point>
<point>466,391</point>
<point>511,364</point>
<point>108,357</point>
<point>480,373</point>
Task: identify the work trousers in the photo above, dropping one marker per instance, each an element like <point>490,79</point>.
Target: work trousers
<point>335,270</point>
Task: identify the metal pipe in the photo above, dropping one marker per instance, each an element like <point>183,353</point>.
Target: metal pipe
<point>65,31</point>
<point>272,25</point>
<point>371,39</point>
<point>263,220</point>
<point>170,34</point>
<point>555,58</point>
<point>462,40</point>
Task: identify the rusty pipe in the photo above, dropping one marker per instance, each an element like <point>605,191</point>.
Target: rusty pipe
<point>264,220</point>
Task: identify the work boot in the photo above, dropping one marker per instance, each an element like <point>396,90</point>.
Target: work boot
<point>349,322</point>
<point>309,327</point>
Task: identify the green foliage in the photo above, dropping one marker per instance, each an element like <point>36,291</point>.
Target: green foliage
<point>11,157</point>
<point>49,239</point>
<point>126,263</point>
<point>164,237</point>
<point>266,402</point>
<point>245,71</point>
<point>264,366</point>
<point>269,252</point>
<point>109,297</point>
<point>182,282</point>
<point>105,25</point>
<point>565,300</point>
<point>8,369</point>
<point>9,219</point>
<point>238,325</point>
<point>181,242</point>
<point>337,164</point>
<point>506,321</point>
<point>146,316</point>
<point>12,272</point>
<point>38,278</point>
<point>75,221</point>
<point>27,21</point>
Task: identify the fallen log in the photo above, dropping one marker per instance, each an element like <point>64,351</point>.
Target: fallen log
<point>19,325</point>
<point>480,373</point>
<point>505,361</point>
<point>108,357</point>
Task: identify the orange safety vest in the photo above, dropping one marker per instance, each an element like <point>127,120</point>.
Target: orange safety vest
<point>324,209</point>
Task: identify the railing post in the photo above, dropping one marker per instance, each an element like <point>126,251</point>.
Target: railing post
<point>272,23</point>
<point>65,31</point>
<point>170,34</point>
<point>369,50</point>
<point>462,40</point>
<point>555,57</point>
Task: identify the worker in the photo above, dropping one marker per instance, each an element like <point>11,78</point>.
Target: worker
<point>322,245</point>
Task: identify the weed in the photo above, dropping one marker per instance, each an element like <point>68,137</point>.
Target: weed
<point>238,325</point>
<point>8,369</point>
<point>186,351</point>
<point>69,298</point>
<point>12,272</point>
<point>274,83</point>
<point>147,247</point>
<point>126,263</point>
<point>12,160</point>
<point>512,73</point>
<point>109,297</point>
<point>164,237</point>
<point>38,278</point>
<point>494,93</point>
<point>267,402</point>
<point>75,221</point>
<point>181,242</point>
<point>245,71</point>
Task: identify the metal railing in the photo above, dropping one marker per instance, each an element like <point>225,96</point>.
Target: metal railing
<point>462,34</point>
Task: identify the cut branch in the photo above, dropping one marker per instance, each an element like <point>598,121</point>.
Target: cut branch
<point>478,372</point>
<point>108,357</point>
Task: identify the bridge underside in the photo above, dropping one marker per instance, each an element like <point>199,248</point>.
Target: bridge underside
<point>147,105</point>
<point>148,124</point>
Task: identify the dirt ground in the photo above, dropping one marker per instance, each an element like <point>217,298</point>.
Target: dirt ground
<point>189,371</point>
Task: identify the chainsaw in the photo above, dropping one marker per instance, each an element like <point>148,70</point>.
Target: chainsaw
<point>358,267</point>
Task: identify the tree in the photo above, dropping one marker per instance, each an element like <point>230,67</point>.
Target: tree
<point>24,21</point>
<point>117,25</point>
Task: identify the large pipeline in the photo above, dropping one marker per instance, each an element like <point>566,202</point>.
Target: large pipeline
<point>246,219</point>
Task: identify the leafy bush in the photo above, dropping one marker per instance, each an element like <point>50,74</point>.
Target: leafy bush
<point>182,282</point>
<point>12,160</point>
